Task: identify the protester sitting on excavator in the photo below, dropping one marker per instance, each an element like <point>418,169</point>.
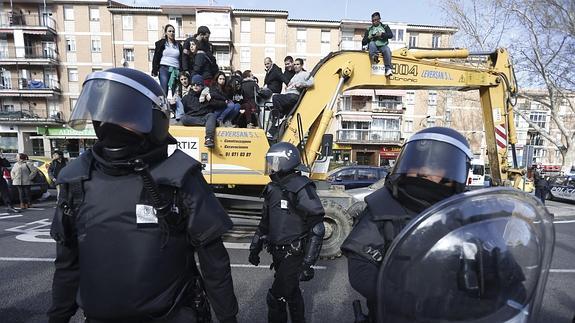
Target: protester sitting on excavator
<point>284,103</point>
<point>377,38</point>
<point>198,114</point>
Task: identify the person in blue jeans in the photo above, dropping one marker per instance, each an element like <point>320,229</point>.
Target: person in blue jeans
<point>220,100</point>
<point>167,61</point>
<point>377,38</point>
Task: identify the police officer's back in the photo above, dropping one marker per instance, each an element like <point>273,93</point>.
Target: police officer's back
<point>432,165</point>
<point>130,218</point>
<point>292,226</point>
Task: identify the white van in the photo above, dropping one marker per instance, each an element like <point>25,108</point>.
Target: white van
<point>476,177</point>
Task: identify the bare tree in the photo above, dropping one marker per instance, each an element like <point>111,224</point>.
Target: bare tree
<point>540,36</point>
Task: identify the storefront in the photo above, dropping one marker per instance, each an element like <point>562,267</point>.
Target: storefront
<point>71,142</point>
<point>388,155</point>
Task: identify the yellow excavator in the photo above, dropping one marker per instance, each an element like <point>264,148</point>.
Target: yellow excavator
<point>235,166</point>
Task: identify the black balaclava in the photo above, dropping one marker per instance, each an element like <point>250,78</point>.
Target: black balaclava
<point>417,194</point>
<point>119,143</point>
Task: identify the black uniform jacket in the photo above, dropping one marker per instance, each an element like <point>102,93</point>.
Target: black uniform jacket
<point>111,257</point>
<point>291,209</point>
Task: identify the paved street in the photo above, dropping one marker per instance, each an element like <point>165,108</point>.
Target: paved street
<point>26,255</point>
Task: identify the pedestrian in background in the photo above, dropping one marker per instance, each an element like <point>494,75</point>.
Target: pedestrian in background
<point>4,191</point>
<point>58,162</point>
<point>22,174</point>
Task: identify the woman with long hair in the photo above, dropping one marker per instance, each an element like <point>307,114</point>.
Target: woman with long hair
<point>167,61</point>
<point>219,99</point>
<point>22,174</point>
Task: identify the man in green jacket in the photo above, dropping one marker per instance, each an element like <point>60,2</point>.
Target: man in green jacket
<point>376,38</point>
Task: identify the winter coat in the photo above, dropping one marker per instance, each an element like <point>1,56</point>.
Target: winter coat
<point>22,173</point>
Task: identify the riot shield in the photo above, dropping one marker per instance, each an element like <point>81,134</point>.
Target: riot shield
<point>480,256</point>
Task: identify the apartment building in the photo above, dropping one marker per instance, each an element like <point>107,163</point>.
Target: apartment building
<point>544,152</point>
<point>80,37</point>
<point>30,90</point>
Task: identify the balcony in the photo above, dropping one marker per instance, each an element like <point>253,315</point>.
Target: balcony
<point>26,116</point>
<point>366,136</point>
<point>387,106</point>
<point>29,23</point>
<point>31,55</point>
<point>28,87</point>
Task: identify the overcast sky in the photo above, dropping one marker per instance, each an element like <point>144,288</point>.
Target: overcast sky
<point>408,11</point>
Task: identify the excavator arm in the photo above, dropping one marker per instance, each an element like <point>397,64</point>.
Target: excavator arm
<point>417,70</point>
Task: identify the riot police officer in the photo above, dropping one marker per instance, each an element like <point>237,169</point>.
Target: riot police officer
<point>130,218</point>
<point>432,165</point>
<point>292,227</point>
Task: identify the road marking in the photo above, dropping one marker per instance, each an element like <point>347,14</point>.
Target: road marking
<point>52,259</point>
<point>37,231</point>
<point>27,259</point>
<point>9,216</point>
<point>566,271</point>
<point>565,221</point>
<point>237,245</point>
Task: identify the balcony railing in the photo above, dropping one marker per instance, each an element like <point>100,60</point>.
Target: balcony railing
<point>18,19</point>
<point>27,52</point>
<point>27,113</point>
<point>368,136</point>
<point>28,84</point>
<point>389,106</point>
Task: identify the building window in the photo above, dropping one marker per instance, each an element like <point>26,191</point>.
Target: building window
<point>270,30</point>
<point>301,35</point>
<point>73,103</point>
<point>150,54</point>
<point>408,126</point>
<point>176,21</point>
<point>325,42</point>
<point>346,103</point>
<point>69,13</point>
<point>430,122</point>
<point>397,35</point>
<point>245,58</point>
<point>96,69</point>
<point>245,30</point>
<point>535,139</point>
<point>432,99</point>
<point>129,54</point>
<point>71,43</point>
<point>539,118</point>
<point>436,41</point>
<point>385,124</point>
<point>72,75</point>
<point>127,22</point>
<point>96,45</point>
<point>152,23</point>
<point>347,40</point>
<point>271,53</point>
<point>410,97</point>
<point>413,40</point>
<point>447,116</point>
<point>94,14</point>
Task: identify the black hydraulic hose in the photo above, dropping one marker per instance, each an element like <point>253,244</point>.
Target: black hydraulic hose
<point>300,135</point>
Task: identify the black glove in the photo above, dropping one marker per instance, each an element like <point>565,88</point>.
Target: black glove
<point>254,258</point>
<point>307,273</point>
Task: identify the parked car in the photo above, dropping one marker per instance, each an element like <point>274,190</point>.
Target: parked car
<point>562,188</point>
<point>356,176</point>
<point>37,189</point>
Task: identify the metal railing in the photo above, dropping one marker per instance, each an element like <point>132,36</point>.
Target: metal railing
<point>27,52</point>
<point>393,106</point>
<point>15,19</point>
<point>28,84</point>
<point>368,136</point>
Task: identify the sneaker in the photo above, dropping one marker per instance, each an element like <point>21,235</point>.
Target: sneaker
<point>375,59</point>
<point>228,124</point>
<point>11,209</point>
<point>251,126</point>
<point>388,72</point>
<point>209,143</point>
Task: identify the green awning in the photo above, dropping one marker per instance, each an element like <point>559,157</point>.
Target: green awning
<point>88,132</point>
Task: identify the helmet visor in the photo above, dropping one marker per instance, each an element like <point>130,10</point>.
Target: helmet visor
<point>109,100</point>
<point>272,164</point>
<point>434,160</point>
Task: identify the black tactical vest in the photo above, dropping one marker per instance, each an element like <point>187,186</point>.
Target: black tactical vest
<point>125,269</point>
<point>381,222</point>
<point>285,223</point>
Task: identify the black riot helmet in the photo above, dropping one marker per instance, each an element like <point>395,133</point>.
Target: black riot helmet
<point>479,256</point>
<point>129,100</point>
<point>282,158</point>
<point>437,152</point>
